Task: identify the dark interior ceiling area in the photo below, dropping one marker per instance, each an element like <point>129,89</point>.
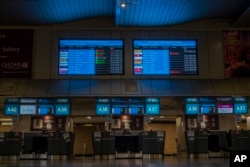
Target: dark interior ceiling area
<point>132,13</point>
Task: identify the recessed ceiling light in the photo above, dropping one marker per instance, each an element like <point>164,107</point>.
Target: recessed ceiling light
<point>123,5</point>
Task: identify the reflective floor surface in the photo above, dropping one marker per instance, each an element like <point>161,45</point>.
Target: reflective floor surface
<point>90,162</point>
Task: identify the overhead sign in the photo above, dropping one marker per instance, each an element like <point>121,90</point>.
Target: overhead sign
<point>11,109</point>
<point>152,109</point>
<point>192,108</point>
<point>62,109</point>
<point>103,109</point>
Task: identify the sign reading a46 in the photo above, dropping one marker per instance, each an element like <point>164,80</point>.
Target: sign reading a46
<point>11,109</point>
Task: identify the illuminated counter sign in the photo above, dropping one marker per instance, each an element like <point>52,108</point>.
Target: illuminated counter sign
<point>119,109</point>
<point>136,109</point>
<point>46,109</point>
<point>62,100</point>
<point>103,100</point>
<point>28,109</point>
<point>208,108</point>
<point>102,109</point>
<point>11,109</point>
<point>192,109</point>
<point>12,100</point>
<point>46,100</point>
<point>224,100</point>
<point>136,100</point>
<point>62,109</point>
<point>207,100</point>
<point>28,100</point>
<point>240,108</point>
<point>119,100</point>
<point>225,108</point>
<point>240,99</point>
<point>152,109</point>
<point>192,100</point>
<point>152,100</point>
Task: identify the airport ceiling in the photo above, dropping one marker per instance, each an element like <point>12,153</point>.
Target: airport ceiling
<point>136,13</point>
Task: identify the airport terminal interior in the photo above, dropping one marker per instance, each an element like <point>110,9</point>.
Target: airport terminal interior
<point>124,83</point>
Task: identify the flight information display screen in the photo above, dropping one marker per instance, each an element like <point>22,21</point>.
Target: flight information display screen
<point>165,57</point>
<point>90,57</point>
<point>225,108</point>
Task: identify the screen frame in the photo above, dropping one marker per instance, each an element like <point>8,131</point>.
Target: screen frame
<point>90,39</point>
<point>133,64</point>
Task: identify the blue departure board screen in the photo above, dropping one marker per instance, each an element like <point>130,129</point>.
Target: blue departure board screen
<point>208,108</point>
<point>28,109</point>
<point>119,109</point>
<point>90,57</point>
<point>192,100</point>
<point>165,57</point>
<point>152,100</point>
<point>136,109</point>
<point>46,109</point>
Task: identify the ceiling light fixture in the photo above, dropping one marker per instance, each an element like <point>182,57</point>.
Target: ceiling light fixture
<point>123,5</point>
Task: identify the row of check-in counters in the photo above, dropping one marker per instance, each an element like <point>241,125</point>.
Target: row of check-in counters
<point>120,144</point>
<point>36,145</point>
<point>209,143</point>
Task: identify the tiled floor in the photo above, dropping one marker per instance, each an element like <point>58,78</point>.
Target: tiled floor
<point>90,162</point>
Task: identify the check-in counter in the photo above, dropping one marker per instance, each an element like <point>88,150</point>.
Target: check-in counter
<point>103,145</point>
<point>218,144</point>
<point>130,144</point>
<point>153,144</point>
<point>10,144</point>
<point>49,145</point>
<point>240,140</point>
<point>197,143</point>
